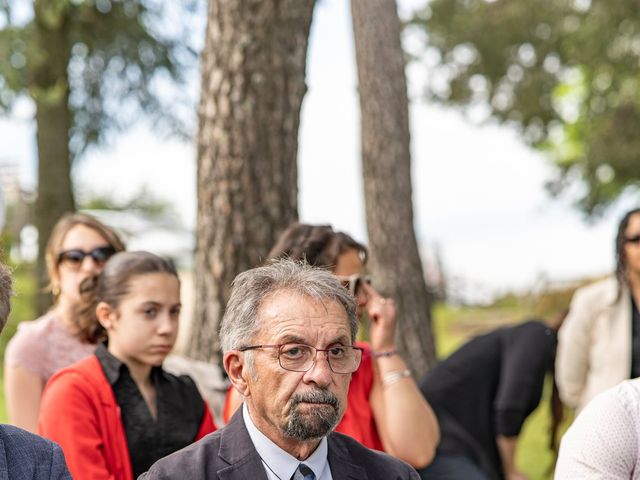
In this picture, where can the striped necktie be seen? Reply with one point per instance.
(303, 473)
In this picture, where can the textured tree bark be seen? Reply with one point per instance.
(253, 83)
(50, 90)
(386, 166)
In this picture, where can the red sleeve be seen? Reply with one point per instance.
(226, 414)
(68, 417)
(208, 425)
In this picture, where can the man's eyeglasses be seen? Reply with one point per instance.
(635, 239)
(353, 283)
(298, 357)
(74, 258)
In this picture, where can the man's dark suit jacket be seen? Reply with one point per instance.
(25, 456)
(229, 454)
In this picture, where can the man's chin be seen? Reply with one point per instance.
(312, 421)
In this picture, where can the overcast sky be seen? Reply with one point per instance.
(478, 191)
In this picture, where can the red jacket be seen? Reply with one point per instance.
(79, 411)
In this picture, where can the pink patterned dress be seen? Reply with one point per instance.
(45, 346)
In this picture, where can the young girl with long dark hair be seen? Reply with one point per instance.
(117, 412)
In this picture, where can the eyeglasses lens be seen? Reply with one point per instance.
(75, 257)
(301, 358)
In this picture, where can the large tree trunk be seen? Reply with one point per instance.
(50, 91)
(386, 165)
(253, 82)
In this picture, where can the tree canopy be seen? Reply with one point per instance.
(90, 67)
(115, 56)
(564, 73)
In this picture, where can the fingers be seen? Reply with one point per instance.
(379, 306)
(369, 291)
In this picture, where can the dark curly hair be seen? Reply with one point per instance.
(318, 245)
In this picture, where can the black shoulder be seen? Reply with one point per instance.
(183, 389)
(378, 465)
(18, 438)
(194, 462)
(534, 330)
(26, 452)
(179, 381)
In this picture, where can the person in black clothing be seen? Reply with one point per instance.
(482, 395)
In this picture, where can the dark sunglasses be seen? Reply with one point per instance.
(75, 257)
(635, 239)
(353, 283)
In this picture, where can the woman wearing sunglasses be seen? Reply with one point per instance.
(599, 342)
(385, 409)
(78, 247)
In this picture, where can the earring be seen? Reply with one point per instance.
(55, 290)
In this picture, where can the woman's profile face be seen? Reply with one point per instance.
(350, 263)
(70, 272)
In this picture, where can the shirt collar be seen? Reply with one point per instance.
(280, 462)
(111, 366)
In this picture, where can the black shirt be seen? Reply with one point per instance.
(488, 387)
(180, 411)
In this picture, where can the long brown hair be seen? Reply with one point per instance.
(111, 285)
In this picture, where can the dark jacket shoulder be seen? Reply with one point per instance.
(28, 456)
(229, 454)
(350, 459)
(226, 453)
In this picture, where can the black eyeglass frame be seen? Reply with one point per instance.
(315, 356)
(99, 255)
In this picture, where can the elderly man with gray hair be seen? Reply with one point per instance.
(287, 336)
(22, 454)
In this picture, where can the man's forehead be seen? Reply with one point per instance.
(291, 307)
(285, 302)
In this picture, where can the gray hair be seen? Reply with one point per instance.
(251, 288)
(5, 294)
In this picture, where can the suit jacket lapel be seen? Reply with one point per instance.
(342, 466)
(237, 450)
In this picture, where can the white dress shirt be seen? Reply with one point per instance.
(280, 465)
(604, 440)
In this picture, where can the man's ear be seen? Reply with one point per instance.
(105, 315)
(237, 369)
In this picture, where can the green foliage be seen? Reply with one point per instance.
(143, 201)
(563, 72)
(114, 60)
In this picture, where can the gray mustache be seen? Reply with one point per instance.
(315, 396)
